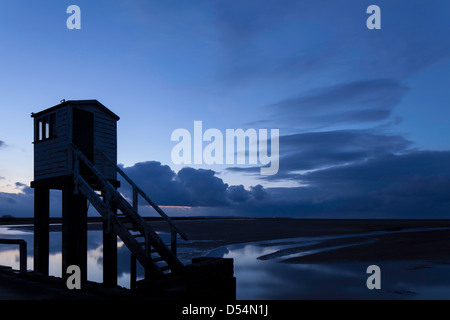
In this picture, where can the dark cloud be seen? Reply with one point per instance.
(238, 194)
(24, 188)
(316, 150)
(356, 174)
(381, 93)
(2, 143)
(354, 102)
(158, 181)
(16, 204)
(412, 185)
(202, 186)
(21, 204)
(389, 172)
(258, 192)
(188, 187)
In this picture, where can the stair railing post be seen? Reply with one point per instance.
(135, 200)
(23, 256)
(76, 171)
(133, 272)
(108, 202)
(173, 241)
(148, 248)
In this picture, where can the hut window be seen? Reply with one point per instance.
(45, 128)
(39, 130)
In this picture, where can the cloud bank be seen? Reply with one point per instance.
(413, 184)
(188, 187)
(356, 102)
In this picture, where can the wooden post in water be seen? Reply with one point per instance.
(23, 256)
(109, 250)
(109, 256)
(74, 231)
(133, 273)
(41, 229)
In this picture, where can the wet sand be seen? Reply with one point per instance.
(424, 245)
(395, 245)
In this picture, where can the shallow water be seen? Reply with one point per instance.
(9, 254)
(261, 273)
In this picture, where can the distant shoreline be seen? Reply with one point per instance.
(58, 220)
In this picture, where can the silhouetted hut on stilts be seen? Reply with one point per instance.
(75, 150)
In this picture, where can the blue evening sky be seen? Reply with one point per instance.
(342, 95)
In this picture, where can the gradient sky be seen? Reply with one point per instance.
(363, 114)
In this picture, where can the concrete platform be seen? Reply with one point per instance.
(205, 279)
(35, 286)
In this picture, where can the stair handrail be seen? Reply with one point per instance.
(167, 255)
(99, 175)
(146, 197)
(102, 208)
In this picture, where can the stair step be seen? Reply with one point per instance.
(121, 214)
(128, 224)
(138, 235)
(165, 268)
(158, 259)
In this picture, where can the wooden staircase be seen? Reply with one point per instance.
(122, 218)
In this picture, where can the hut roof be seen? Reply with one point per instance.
(78, 103)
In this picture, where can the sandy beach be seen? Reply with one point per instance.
(278, 258)
(388, 240)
